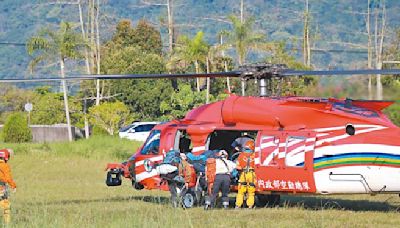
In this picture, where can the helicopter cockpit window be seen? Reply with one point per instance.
(295, 151)
(152, 143)
(183, 142)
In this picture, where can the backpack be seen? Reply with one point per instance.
(193, 176)
(210, 170)
(199, 161)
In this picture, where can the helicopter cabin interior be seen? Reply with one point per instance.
(221, 139)
(217, 140)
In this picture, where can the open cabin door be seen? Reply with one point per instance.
(284, 161)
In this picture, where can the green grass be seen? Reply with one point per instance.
(97, 147)
(62, 185)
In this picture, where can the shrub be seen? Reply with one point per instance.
(16, 129)
(393, 112)
(110, 116)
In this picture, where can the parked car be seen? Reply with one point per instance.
(138, 131)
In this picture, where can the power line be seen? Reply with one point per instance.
(356, 51)
(12, 43)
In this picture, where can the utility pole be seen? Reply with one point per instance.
(306, 37)
(170, 25)
(379, 38)
(65, 94)
(242, 82)
(85, 118)
(369, 63)
(84, 37)
(208, 81)
(241, 11)
(228, 84)
(97, 51)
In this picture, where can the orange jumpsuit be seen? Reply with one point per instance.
(247, 179)
(187, 172)
(5, 178)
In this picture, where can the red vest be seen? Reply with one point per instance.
(245, 161)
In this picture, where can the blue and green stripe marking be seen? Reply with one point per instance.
(379, 159)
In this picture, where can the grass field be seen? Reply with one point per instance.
(62, 185)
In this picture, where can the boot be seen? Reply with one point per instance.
(207, 205)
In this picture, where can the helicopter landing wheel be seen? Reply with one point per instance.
(189, 199)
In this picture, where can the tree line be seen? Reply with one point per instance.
(108, 105)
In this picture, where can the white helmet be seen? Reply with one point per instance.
(223, 153)
(183, 156)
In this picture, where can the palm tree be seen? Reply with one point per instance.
(192, 51)
(243, 38)
(57, 46)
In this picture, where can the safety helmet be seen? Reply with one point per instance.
(249, 145)
(183, 156)
(223, 153)
(5, 154)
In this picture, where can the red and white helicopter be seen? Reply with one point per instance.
(304, 145)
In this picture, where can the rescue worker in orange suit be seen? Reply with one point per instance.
(223, 169)
(247, 177)
(185, 173)
(5, 181)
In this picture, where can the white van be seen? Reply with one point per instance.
(138, 131)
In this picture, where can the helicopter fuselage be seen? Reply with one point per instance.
(303, 145)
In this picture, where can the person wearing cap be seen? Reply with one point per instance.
(223, 169)
(5, 181)
(238, 143)
(185, 173)
(247, 178)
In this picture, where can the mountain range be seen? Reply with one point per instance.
(338, 27)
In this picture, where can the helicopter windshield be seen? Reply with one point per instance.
(152, 143)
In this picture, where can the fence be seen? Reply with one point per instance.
(53, 133)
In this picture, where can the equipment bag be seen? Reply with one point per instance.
(166, 168)
(210, 170)
(193, 176)
(211, 153)
(199, 161)
(199, 167)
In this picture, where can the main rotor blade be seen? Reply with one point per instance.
(125, 76)
(339, 72)
(284, 72)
